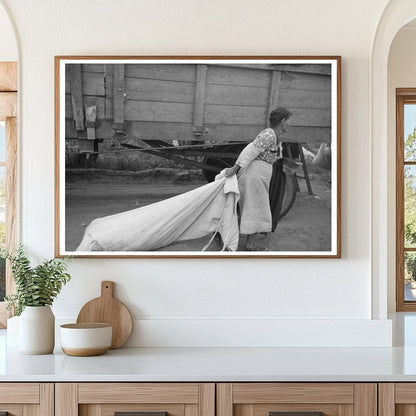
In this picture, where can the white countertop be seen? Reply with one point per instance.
(222, 364)
(215, 364)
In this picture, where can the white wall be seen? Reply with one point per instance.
(401, 74)
(8, 46)
(212, 301)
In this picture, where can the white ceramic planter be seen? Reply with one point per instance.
(12, 334)
(37, 330)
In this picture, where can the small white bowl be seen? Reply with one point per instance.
(83, 340)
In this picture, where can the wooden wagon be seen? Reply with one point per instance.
(182, 110)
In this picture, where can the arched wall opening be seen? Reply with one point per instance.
(401, 74)
(396, 15)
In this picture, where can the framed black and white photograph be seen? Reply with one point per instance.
(198, 156)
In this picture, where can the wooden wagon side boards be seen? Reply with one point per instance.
(208, 102)
(199, 104)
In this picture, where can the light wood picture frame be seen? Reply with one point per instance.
(140, 140)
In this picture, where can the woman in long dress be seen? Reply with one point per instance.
(254, 168)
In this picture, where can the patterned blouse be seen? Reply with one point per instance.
(268, 146)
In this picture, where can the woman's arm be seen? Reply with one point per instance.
(232, 171)
(247, 155)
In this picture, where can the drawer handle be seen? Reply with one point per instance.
(295, 413)
(139, 414)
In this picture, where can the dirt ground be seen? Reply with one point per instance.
(93, 194)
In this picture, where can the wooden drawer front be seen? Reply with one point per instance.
(331, 399)
(19, 393)
(138, 393)
(397, 399)
(105, 399)
(27, 399)
(295, 408)
(405, 393)
(293, 393)
(14, 409)
(111, 409)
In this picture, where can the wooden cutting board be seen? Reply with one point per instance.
(108, 310)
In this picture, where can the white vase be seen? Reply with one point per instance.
(12, 333)
(37, 330)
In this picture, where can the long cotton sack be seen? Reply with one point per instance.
(194, 214)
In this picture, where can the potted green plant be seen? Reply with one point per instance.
(36, 289)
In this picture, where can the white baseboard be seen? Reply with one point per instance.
(189, 332)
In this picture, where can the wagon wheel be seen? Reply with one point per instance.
(221, 164)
